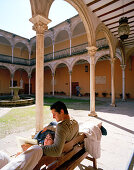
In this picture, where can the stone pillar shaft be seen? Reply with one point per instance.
(12, 53)
(40, 25)
(53, 83)
(92, 51)
(112, 83)
(29, 84)
(53, 51)
(29, 57)
(92, 85)
(123, 82)
(12, 83)
(70, 81)
(70, 46)
(39, 80)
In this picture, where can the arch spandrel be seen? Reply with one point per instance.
(40, 7)
(129, 53)
(7, 67)
(109, 37)
(60, 32)
(50, 66)
(60, 62)
(87, 58)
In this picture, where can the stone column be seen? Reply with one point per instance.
(70, 46)
(53, 83)
(112, 83)
(40, 25)
(70, 82)
(29, 57)
(53, 50)
(29, 79)
(123, 82)
(92, 51)
(12, 53)
(12, 75)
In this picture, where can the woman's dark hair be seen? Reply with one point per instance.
(52, 133)
(58, 106)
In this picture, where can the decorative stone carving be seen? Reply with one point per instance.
(40, 24)
(40, 27)
(92, 50)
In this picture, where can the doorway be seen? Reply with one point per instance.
(74, 84)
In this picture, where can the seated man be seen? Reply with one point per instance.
(66, 129)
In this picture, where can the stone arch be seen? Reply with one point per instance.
(129, 53)
(32, 42)
(32, 68)
(106, 52)
(61, 31)
(49, 65)
(79, 58)
(5, 40)
(22, 42)
(24, 50)
(100, 54)
(119, 54)
(108, 35)
(2, 65)
(60, 62)
(5, 82)
(48, 39)
(2, 35)
(76, 25)
(87, 20)
(21, 68)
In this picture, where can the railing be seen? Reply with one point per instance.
(5, 58)
(21, 61)
(75, 50)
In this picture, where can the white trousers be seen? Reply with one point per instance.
(27, 160)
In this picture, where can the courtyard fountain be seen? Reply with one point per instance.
(16, 100)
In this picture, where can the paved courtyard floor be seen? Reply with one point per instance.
(116, 148)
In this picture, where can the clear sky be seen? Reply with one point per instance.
(15, 15)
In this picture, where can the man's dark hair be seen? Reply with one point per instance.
(58, 106)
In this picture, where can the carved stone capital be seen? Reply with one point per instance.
(123, 67)
(40, 24)
(92, 50)
(40, 27)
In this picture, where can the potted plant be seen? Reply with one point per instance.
(128, 95)
(96, 94)
(104, 94)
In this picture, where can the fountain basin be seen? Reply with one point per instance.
(13, 103)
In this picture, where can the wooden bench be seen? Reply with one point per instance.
(73, 153)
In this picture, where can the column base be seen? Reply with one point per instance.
(93, 114)
(123, 100)
(113, 105)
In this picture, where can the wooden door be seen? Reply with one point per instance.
(74, 84)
